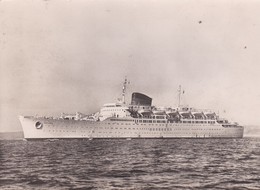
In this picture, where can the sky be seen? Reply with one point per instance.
(67, 56)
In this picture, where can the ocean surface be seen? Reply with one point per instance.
(131, 164)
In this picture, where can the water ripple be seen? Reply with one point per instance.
(135, 164)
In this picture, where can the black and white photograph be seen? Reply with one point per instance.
(129, 94)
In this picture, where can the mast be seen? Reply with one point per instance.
(124, 90)
(179, 96)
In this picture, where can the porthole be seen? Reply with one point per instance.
(38, 125)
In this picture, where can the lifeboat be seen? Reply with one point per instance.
(210, 115)
(145, 112)
(198, 115)
(173, 114)
(186, 115)
(159, 112)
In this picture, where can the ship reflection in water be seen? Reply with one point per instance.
(130, 164)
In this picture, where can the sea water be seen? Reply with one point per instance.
(130, 164)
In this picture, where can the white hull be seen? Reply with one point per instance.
(122, 128)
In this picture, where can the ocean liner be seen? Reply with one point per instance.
(139, 119)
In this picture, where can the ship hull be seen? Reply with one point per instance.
(36, 128)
